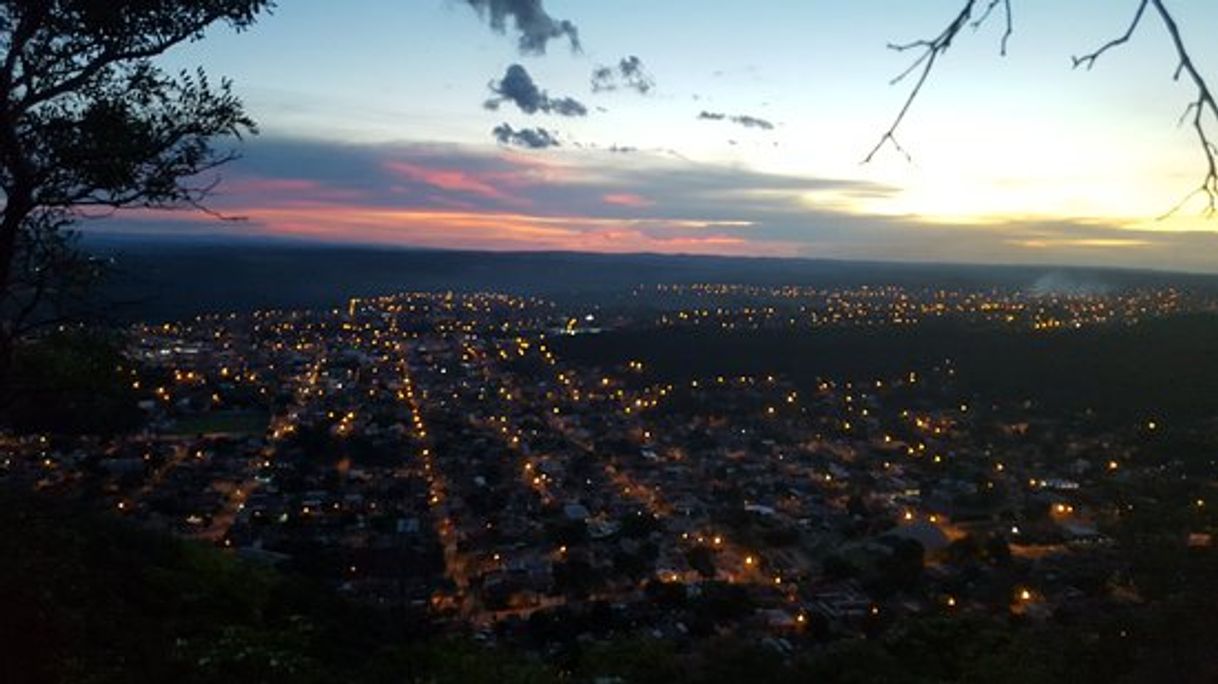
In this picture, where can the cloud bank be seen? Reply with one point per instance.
(593, 200)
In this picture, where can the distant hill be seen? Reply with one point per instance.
(168, 278)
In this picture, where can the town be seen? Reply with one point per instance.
(435, 454)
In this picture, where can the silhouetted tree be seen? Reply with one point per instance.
(90, 124)
(72, 383)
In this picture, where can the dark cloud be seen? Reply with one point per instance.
(532, 138)
(623, 149)
(753, 122)
(517, 86)
(535, 26)
(567, 106)
(741, 119)
(602, 79)
(627, 73)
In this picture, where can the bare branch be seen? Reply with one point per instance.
(1201, 108)
(1201, 112)
(989, 9)
(1089, 59)
(931, 51)
(197, 196)
(1204, 103)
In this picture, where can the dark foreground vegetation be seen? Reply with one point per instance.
(91, 599)
(71, 382)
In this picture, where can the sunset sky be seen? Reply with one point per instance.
(739, 130)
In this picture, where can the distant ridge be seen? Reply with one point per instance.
(170, 277)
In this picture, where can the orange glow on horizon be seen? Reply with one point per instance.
(490, 230)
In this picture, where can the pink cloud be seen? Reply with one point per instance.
(458, 228)
(261, 185)
(627, 199)
(287, 189)
(511, 230)
(452, 181)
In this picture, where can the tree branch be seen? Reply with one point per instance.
(1203, 106)
(932, 49)
(1089, 59)
(1201, 112)
(26, 28)
(989, 9)
(88, 71)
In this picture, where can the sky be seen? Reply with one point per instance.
(709, 127)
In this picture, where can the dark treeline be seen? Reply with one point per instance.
(1164, 367)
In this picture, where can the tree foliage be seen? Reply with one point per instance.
(71, 382)
(90, 124)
